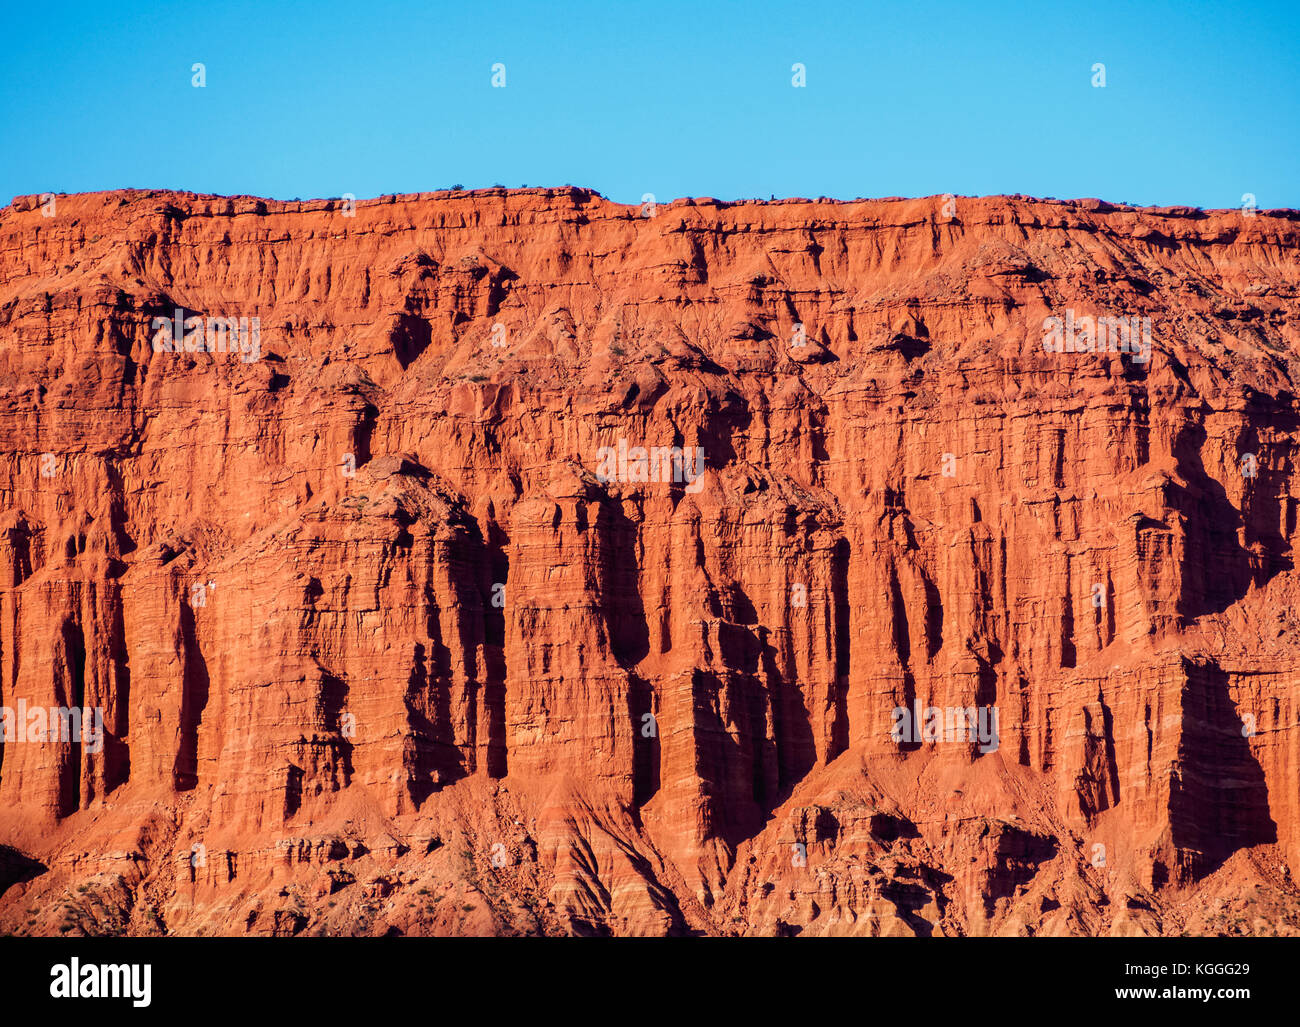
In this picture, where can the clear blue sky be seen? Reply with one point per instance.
(1201, 103)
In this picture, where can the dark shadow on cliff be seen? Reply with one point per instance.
(719, 421)
(729, 766)
(491, 555)
(1017, 856)
(796, 752)
(840, 559)
(1217, 570)
(332, 700)
(1218, 798)
(16, 868)
(645, 741)
(194, 699)
(70, 693)
(431, 759)
(619, 595)
(618, 586)
(745, 648)
(410, 336)
(117, 717)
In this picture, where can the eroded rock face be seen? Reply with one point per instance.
(534, 565)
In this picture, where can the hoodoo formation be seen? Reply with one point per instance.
(381, 640)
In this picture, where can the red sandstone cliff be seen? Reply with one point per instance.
(474, 688)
